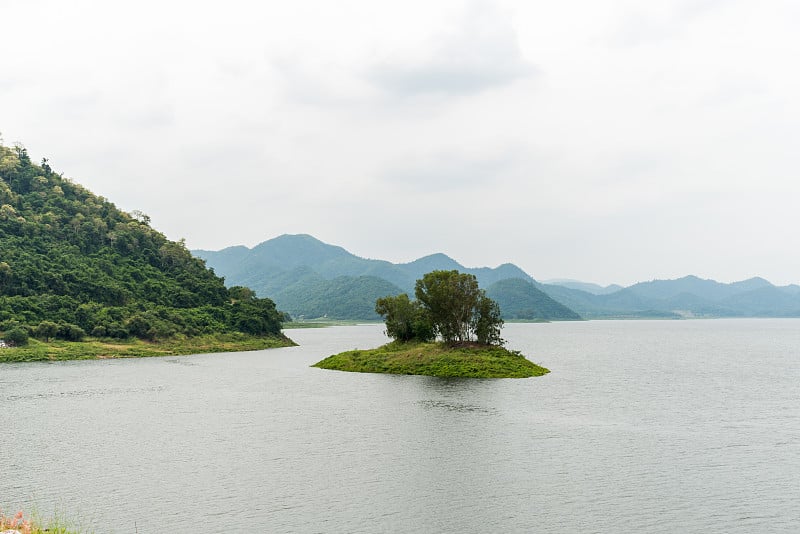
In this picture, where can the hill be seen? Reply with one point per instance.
(72, 264)
(523, 300)
(344, 297)
(308, 277)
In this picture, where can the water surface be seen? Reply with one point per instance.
(642, 426)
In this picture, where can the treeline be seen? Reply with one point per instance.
(344, 297)
(72, 258)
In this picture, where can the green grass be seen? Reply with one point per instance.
(435, 359)
(324, 323)
(92, 349)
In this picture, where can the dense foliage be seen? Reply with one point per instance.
(449, 305)
(458, 309)
(72, 264)
(406, 319)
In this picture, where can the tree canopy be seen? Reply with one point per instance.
(449, 305)
(406, 319)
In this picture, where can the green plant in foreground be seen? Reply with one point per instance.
(18, 523)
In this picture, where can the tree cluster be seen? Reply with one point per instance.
(71, 258)
(448, 305)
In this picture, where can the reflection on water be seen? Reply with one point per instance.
(644, 426)
(455, 406)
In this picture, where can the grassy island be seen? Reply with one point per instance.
(451, 307)
(92, 349)
(436, 359)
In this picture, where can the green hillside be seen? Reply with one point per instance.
(72, 259)
(522, 300)
(344, 297)
(305, 276)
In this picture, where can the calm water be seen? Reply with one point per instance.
(649, 426)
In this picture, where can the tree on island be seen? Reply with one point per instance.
(406, 319)
(448, 304)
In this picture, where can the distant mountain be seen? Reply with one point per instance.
(305, 276)
(689, 296)
(594, 289)
(298, 273)
(792, 289)
(692, 285)
(768, 301)
(522, 300)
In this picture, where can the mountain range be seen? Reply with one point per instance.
(306, 277)
(689, 296)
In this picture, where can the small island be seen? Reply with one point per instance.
(452, 329)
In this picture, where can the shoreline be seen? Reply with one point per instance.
(435, 359)
(101, 349)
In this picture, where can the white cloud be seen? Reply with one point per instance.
(479, 53)
(605, 141)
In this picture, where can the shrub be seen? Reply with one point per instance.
(71, 332)
(17, 336)
(99, 331)
(46, 330)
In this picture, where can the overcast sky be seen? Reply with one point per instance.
(609, 141)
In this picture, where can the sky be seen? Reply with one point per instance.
(610, 141)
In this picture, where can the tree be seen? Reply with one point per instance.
(46, 330)
(141, 216)
(406, 320)
(17, 336)
(449, 304)
(240, 293)
(5, 275)
(487, 322)
(258, 317)
(449, 297)
(71, 332)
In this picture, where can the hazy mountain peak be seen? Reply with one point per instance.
(436, 256)
(588, 287)
(753, 283)
(272, 268)
(291, 250)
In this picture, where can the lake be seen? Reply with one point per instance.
(641, 426)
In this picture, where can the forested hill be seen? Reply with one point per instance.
(307, 277)
(72, 258)
(260, 266)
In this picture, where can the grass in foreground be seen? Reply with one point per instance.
(18, 523)
(435, 359)
(92, 349)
